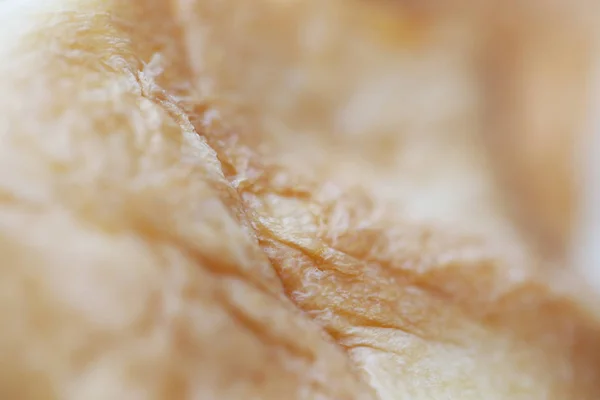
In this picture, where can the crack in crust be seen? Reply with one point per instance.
(203, 249)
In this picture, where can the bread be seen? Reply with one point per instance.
(265, 200)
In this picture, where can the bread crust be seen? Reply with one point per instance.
(198, 202)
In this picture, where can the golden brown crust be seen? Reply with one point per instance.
(193, 208)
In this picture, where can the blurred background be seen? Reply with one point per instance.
(489, 89)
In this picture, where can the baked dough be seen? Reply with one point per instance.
(229, 199)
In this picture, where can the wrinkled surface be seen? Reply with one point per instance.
(263, 200)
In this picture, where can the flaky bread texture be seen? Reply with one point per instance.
(261, 200)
